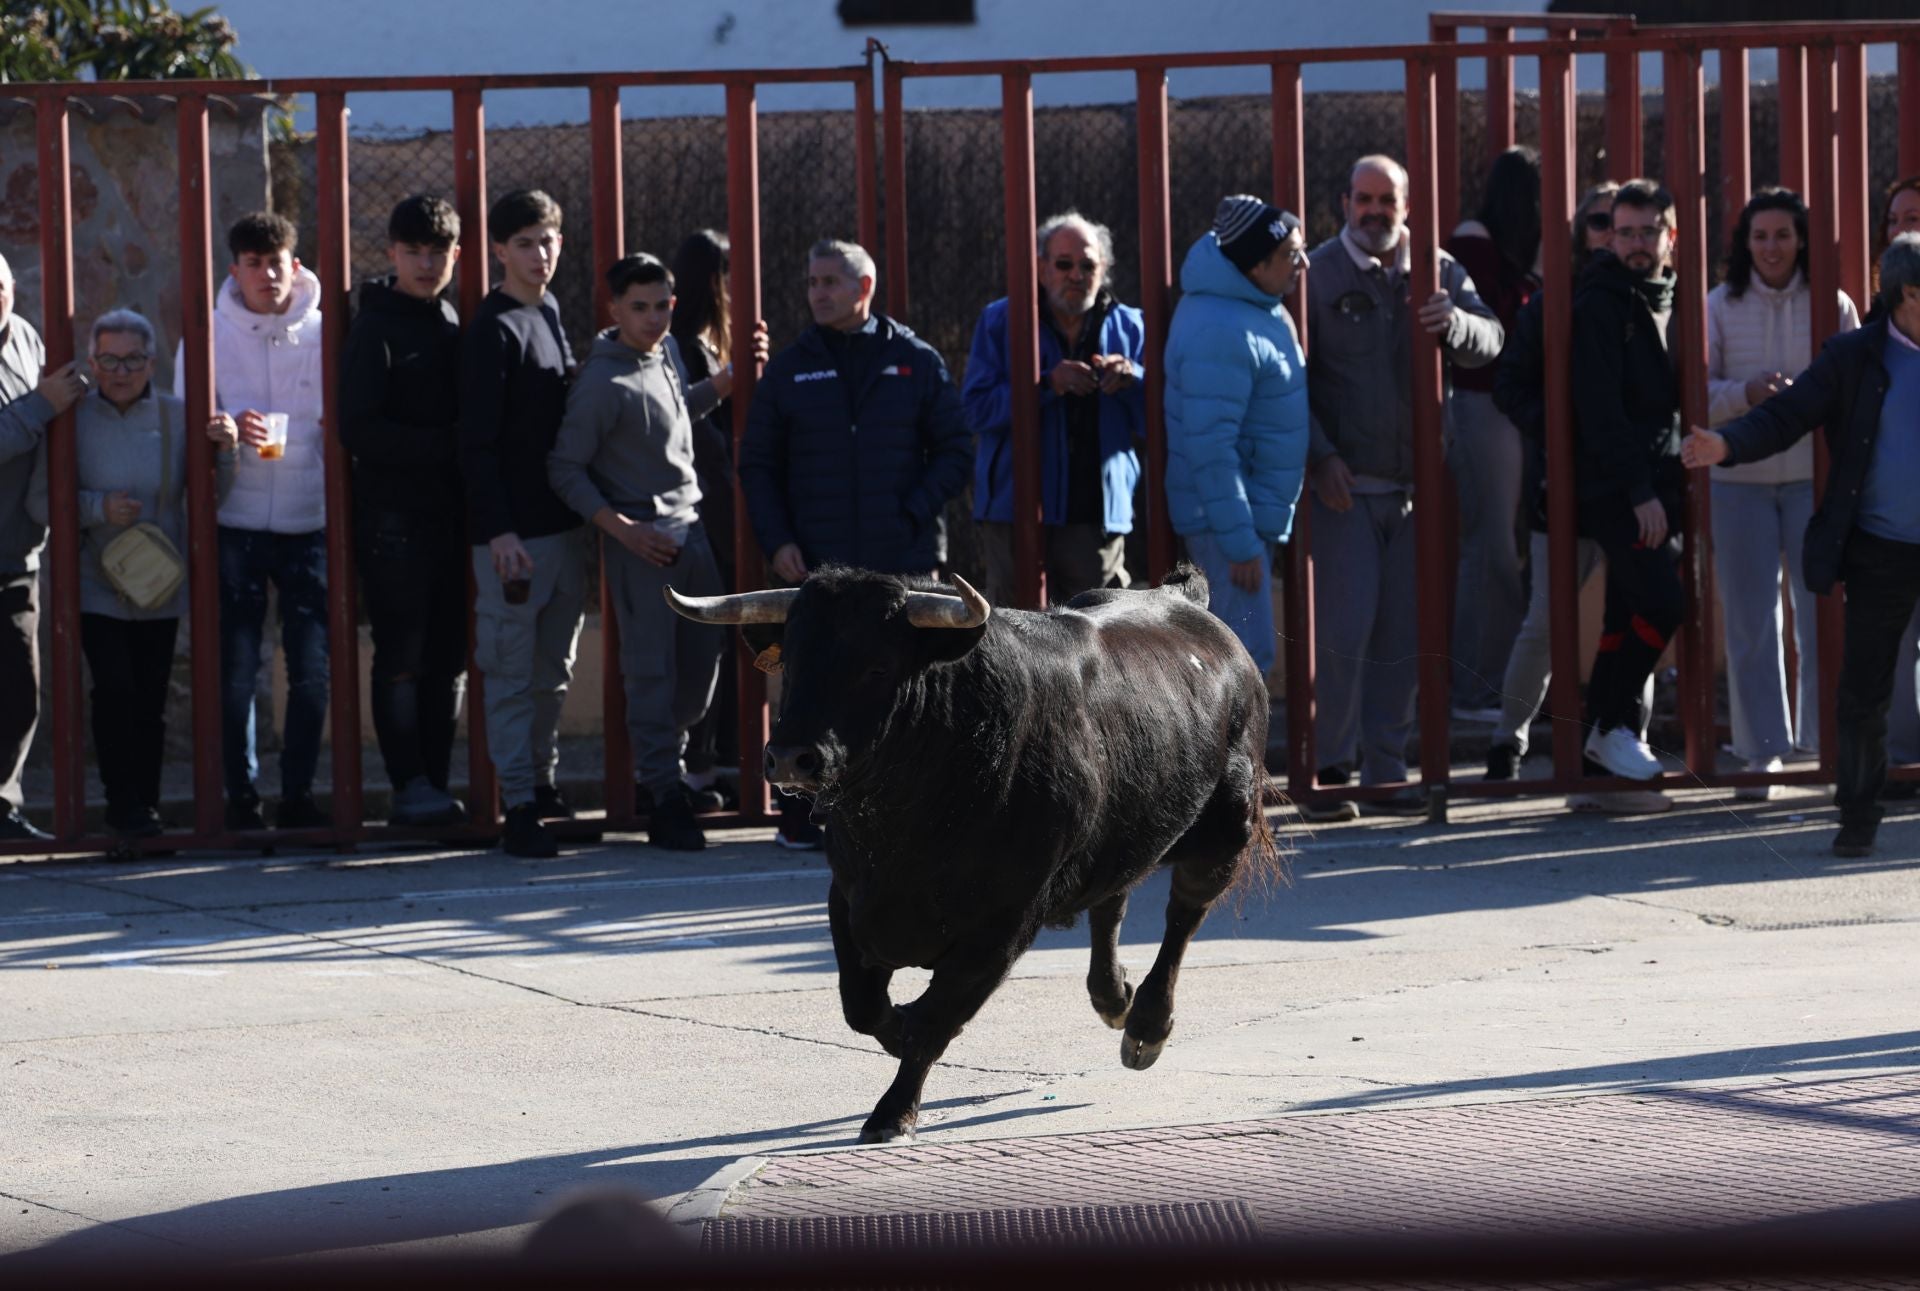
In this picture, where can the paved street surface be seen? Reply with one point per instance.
(426, 1051)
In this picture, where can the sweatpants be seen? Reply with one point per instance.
(525, 654)
(1366, 636)
(669, 664)
(1485, 456)
(1644, 607)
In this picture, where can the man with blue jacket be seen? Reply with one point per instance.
(1091, 414)
(1237, 410)
(855, 439)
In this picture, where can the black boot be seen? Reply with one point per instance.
(524, 835)
(671, 824)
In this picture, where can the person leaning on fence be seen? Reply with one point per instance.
(267, 371)
(855, 441)
(624, 460)
(1500, 249)
(1519, 391)
(28, 402)
(399, 406)
(1900, 213)
(1360, 391)
(130, 446)
(1864, 388)
(1236, 405)
(1092, 413)
(529, 550)
(1629, 484)
(1759, 333)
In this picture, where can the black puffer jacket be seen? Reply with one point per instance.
(400, 404)
(1626, 397)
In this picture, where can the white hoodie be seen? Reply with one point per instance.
(271, 363)
(1762, 330)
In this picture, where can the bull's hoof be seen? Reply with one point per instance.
(1137, 1054)
(1117, 1020)
(888, 1130)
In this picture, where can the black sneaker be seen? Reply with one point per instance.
(300, 812)
(1899, 791)
(15, 828)
(243, 813)
(551, 803)
(524, 835)
(797, 832)
(671, 825)
(1854, 840)
(1410, 801)
(1503, 761)
(133, 822)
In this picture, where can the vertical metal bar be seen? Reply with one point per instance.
(1736, 137)
(743, 289)
(1852, 176)
(1909, 111)
(896, 163)
(1023, 332)
(1500, 133)
(203, 537)
(1428, 392)
(1447, 124)
(1623, 106)
(1686, 165)
(866, 194)
(65, 722)
(1793, 118)
(1290, 193)
(470, 196)
(1824, 206)
(609, 242)
(1557, 104)
(1156, 301)
(343, 628)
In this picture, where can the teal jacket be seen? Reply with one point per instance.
(1237, 422)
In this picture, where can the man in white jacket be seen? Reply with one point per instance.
(267, 374)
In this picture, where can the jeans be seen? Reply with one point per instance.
(296, 565)
(1079, 558)
(1903, 721)
(132, 663)
(1523, 689)
(413, 577)
(1753, 526)
(1366, 638)
(668, 664)
(19, 681)
(1249, 614)
(1491, 598)
(1883, 587)
(525, 655)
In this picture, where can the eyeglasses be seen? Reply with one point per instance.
(122, 362)
(1600, 221)
(1065, 265)
(1297, 257)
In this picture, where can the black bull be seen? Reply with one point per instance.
(990, 772)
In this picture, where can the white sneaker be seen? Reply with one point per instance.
(1761, 792)
(1623, 753)
(1622, 802)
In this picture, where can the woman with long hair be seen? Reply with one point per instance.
(1759, 334)
(1500, 249)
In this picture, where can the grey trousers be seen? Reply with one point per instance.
(1754, 525)
(669, 665)
(1365, 634)
(1491, 600)
(525, 657)
(1530, 665)
(1079, 558)
(19, 680)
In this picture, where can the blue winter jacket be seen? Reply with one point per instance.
(987, 394)
(856, 477)
(1237, 422)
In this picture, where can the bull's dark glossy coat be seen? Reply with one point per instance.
(983, 782)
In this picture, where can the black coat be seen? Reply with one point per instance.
(857, 477)
(1626, 397)
(1843, 391)
(400, 404)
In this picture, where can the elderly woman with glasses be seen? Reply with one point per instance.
(130, 443)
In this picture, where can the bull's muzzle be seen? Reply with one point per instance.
(794, 766)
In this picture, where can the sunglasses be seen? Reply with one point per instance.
(1065, 265)
(1599, 221)
(122, 362)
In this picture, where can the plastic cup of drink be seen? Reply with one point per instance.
(276, 445)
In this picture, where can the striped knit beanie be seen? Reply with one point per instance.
(1248, 229)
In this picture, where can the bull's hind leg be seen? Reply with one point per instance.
(1204, 862)
(1107, 984)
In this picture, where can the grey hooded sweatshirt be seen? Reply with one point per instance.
(627, 439)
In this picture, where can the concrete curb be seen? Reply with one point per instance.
(706, 1200)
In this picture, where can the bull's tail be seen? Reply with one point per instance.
(1263, 865)
(1190, 581)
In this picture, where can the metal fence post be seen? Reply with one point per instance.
(1824, 231)
(866, 195)
(1792, 86)
(1852, 175)
(1500, 132)
(1736, 138)
(1156, 303)
(1023, 334)
(1446, 120)
(1557, 184)
(1624, 158)
(896, 164)
(1290, 193)
(1909, 79)
(743, 289)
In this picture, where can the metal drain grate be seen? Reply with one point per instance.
(1049, 1228)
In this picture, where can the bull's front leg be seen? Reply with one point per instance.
(918, 1033)
(863, 990)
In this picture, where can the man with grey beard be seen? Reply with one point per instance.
(1360, 465)
(1092, 413)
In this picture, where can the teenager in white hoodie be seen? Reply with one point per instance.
(267, 360)
(1759, 335)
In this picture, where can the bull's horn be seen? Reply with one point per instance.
(742, 607)
(933, 610)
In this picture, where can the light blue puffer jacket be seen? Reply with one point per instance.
(1237, 423)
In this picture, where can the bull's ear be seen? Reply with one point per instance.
(764, 639)
(944, 645)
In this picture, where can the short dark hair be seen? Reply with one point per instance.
(519, 210)
(1646, 194)
(424, 221)
(261, 233)
(1740, 255)
(637, 270)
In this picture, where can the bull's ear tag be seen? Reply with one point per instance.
(768, 660)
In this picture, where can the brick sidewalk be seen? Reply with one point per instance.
(1670, 1160)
